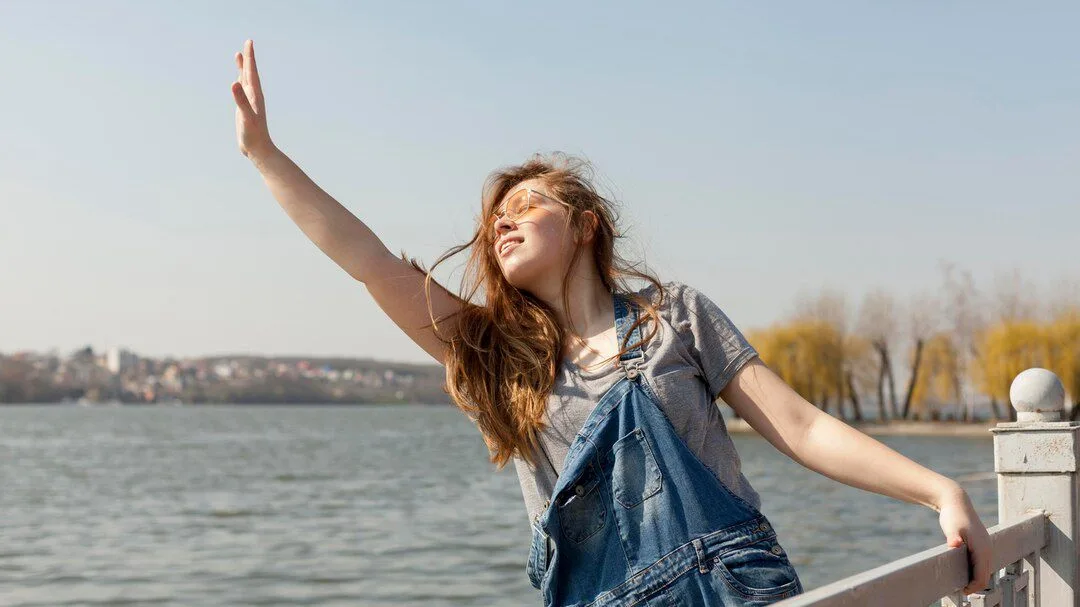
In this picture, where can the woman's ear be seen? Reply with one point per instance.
(589, 223)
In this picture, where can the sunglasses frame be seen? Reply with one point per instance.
(528, 206)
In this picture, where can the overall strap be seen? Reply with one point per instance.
(626, 314)
(630, 362)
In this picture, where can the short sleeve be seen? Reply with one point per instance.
(707, 332)
(527, 479)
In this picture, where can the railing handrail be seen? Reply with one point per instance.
(925, 577)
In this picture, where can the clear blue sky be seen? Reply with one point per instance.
(759, 150)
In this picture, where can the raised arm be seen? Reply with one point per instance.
(397, 287)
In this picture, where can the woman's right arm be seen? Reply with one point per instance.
(395, 284)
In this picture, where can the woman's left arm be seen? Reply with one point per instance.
(828, 446)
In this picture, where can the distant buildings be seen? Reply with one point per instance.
(121, 375)
(118, 360)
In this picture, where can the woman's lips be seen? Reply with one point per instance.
(510, 245)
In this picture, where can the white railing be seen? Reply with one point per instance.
(1036, 556)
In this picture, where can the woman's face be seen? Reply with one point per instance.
(536, 247)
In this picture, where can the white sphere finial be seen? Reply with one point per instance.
(1038, 396)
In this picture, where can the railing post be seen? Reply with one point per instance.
(1036, 461)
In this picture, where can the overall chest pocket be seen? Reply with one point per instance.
(581, 507)
(635, 477)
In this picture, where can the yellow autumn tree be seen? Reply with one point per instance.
(1005, 349)
(808, 355)
(779, 347)
(938, 380)
(1008, 348)
(1063, 345)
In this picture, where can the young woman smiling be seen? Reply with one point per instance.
(602, 394)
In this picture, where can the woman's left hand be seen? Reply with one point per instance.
(962, 526)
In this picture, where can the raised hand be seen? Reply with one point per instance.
(251, 131)
(399, 288)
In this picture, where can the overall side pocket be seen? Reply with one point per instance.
(538, 556)
(759, 569)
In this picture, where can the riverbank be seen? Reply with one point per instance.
(906, 428)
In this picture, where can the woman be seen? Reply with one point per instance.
(602, 394)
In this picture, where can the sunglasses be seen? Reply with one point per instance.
(518, 204)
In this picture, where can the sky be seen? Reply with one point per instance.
(757, 151)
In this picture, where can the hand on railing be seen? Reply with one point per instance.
(962, 526)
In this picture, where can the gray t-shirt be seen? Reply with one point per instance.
(695, 353)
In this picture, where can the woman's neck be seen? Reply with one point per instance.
(589, 311)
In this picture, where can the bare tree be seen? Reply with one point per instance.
(861, 371)
(830, 307)
(877, 324)
(1014, 297)
(1064, 297)
(965, 319)
(853, 394)
(924, 313)
(1064, 302)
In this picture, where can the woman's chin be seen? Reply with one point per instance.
(519, 277)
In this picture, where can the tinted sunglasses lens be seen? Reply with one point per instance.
(513, 208)
(516, 206)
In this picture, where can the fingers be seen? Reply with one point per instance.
(979, 557)
(251, 71)
(982, 568)
(953, 541)
(248, 79)
(242, 101)
(238, 87)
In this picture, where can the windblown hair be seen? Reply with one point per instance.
(503, 356)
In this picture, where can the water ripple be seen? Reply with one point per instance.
(349, 506)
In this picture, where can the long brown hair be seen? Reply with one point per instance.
(503, 356)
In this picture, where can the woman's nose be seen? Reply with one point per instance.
(503, 224)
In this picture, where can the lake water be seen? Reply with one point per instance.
(374, 505)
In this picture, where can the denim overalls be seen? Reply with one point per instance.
(636, 519)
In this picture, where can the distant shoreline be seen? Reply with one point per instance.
(897, 428)
(734, 425)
